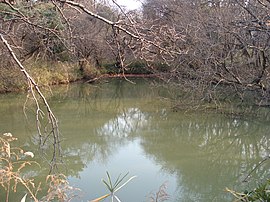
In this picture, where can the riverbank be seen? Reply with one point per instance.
(49, 73)
(44, 73)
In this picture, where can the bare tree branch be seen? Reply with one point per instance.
(33, 87)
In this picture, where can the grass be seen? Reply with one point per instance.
(13, 162)
(114, 187)
(44, 73)
(11, 80)
(260, 193)
(53, 73)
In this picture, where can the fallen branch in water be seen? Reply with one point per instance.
(104, 76)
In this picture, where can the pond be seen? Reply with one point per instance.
(120, 127)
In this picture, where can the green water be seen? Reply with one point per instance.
(120, 127)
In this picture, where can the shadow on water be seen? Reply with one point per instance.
(200, 153)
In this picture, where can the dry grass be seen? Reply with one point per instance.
(161, 195)
(52, 72)
(14, 160)
(44, 73)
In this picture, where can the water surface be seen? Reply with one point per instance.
(121, 127)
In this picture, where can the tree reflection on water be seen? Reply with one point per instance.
(208, 151)
(205, 151)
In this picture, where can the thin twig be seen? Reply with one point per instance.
(256, 167)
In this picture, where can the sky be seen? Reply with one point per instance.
(130, 4)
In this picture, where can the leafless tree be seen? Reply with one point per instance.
(47, 29)
(225, 43)
(200, 44)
